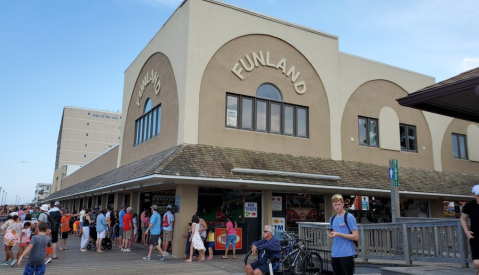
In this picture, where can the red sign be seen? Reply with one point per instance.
(220, 238)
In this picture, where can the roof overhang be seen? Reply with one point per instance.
(158, 181)
(459, 99)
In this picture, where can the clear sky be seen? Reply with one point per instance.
(60, 53)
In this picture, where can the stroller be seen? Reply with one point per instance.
(106, 243)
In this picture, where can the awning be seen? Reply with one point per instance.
(455, 97)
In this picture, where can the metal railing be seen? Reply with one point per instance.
(410, 240)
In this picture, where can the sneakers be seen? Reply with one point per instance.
(5, 263)
(147, 258)
(13, 263)
(48, 260)
(126, 250)
(83, 250)
(164, 256)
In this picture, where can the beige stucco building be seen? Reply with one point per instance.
(243, 109)
(84, 135)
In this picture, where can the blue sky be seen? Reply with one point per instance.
(73, 53)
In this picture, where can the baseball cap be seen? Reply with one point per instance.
(57, 203)
(123, 205)
(154, 207)
(475, 190)
(13, 214)
(169, 206)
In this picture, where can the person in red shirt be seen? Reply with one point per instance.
(127, 229)
(65, 228)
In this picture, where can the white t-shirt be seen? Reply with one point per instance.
(82, 214)
(107, 214)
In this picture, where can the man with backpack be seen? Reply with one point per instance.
(55, 218)
(343, 231)
(168, 222)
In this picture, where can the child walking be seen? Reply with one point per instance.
(211, 241)
(116, 233)
(188, 242)
(24, 238)
(38, 244)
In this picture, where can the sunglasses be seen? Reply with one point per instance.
(266, 232)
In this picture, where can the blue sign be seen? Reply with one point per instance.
(391, 173)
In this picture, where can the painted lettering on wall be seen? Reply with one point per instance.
(256, 59)
(150, 77)
(104, 116)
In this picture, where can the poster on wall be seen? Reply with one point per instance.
(220, 242)
(365, 203)
(250, 210)
(231, 118)
(277, 203)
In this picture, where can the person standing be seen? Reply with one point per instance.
(154, 229)
(82, 215)
(168, 223)
(146, 222)
(343, 251)
(101, 228)
(196, 241)
(471, 211)
(56, 215)
(231, 227)
(120, 232)
(127, 229)
(86, 230)
(65, 229)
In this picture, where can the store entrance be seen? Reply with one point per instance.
(216, 205)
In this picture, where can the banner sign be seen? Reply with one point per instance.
(220, 239)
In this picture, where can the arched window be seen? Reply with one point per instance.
(269, 91)
(147, 106)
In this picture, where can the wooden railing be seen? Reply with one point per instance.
(418, 240)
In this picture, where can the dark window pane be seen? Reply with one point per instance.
(302, 117)
(247, 114)
(148, 128)
(140, 140)
(158, 122)
(268, 91)
(373, 133)
(402, 137)
(232, 112)
(455, 146)
(288, 120)
(261, 115)
(275, 119)
(362, 129)
(137, 132)
(153, 124)
(147, 106)
(462, 147)
(412, 138)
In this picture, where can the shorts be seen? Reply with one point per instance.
(54, 236)
(231, 239)
(343, 265)
(49, 250)
(211, 244)
(120, 232)
(115, 236)
(34, 269)
(64, 235)
(474, 248)
(127, 234)
(101, 235)
(135, 231)
(155, 240)
(167, 235)
(264, 268)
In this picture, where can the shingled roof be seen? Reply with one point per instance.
(216, 162)
(473, 73)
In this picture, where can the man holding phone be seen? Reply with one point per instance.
(342, 253)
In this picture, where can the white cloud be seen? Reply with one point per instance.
(469, 63)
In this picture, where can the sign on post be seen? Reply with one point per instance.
(396, 174)
(394, 184)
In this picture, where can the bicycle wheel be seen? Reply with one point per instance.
(312, 264)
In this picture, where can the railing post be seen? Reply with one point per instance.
(362, 244)
(436, 242)
(406, 243)
(300, 231)
(462, 247)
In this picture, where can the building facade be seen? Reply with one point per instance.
(42, 191)
(263, 120)
(84, 135)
